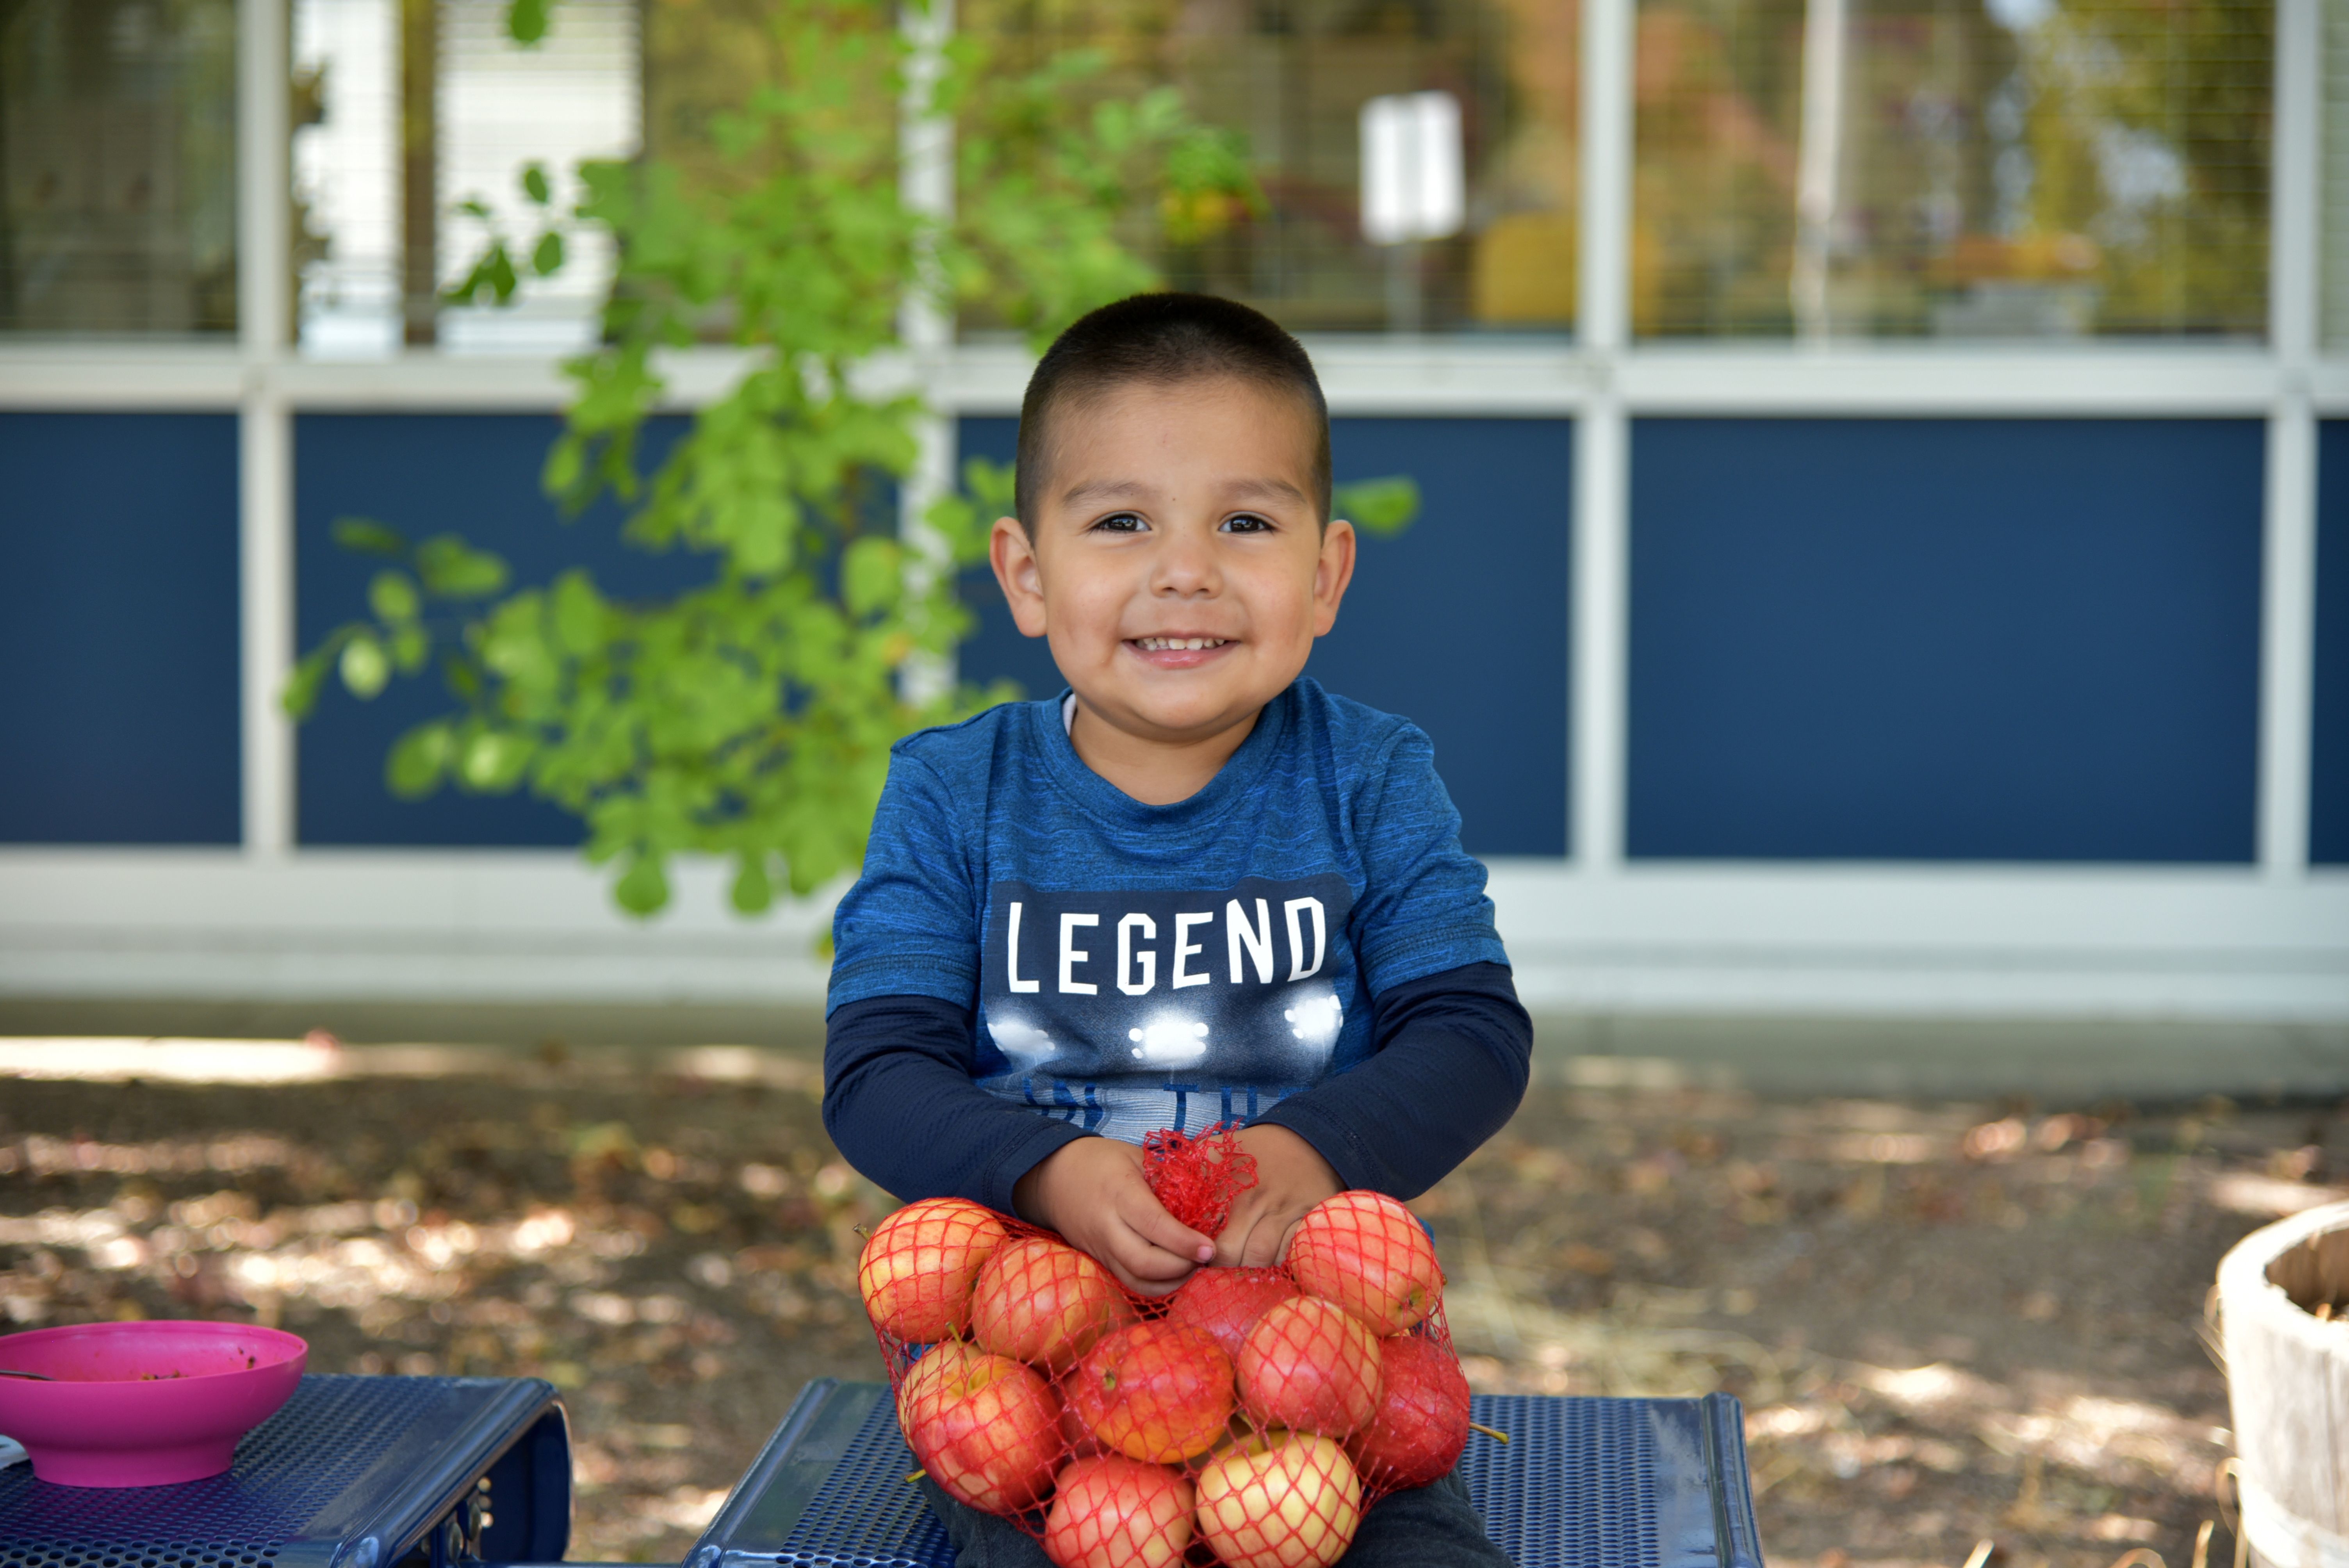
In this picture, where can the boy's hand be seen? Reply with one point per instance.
(1093, 1192)
(1291, 1178)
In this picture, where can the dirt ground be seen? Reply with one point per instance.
(1950, 1324)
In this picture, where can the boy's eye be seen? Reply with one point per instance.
(1246, 523)
(1121, 522)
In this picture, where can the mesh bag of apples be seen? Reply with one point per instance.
(1248, 1419)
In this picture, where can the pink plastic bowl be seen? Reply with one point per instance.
(143, 1404)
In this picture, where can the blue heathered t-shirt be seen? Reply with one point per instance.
(1133, 966)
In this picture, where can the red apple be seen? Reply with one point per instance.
(1117, 1513)
(986, 1428)
(1422, 1419)
(1077, 1440)
(1045, 1303)
(1371, 1256)
(1311, 1365)
(1227, 1302)
(1292, 1502)
(917, 1270)
(1155, 1391)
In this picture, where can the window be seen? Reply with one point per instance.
(415, 111)
(2007, 168)
(118, 167)
(1295, 78)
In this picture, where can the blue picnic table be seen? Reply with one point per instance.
(1581, 1483)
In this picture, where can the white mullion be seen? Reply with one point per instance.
(264, 483)
(2294, 182)
(926, 184)
(1601, 590)
(2288, 596)
(1601, 634)
(2288, 638)
(1602, 312)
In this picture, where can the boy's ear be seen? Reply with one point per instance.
(1332, 573)
(1013, 556)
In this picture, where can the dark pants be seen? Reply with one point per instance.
(1432, 1526)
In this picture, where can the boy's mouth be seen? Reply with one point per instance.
(1177, 644)
(1180, 652)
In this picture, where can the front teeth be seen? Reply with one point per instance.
(1165, 645)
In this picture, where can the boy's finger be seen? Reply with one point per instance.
(1148, 1269)
(1264, 1243)
(1162, 1229)
(1231, 1247)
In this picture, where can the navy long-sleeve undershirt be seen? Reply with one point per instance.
(1450, 1064)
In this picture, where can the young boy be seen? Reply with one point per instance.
(1195, 887)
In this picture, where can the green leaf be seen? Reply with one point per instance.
(393, 598)
(463, 675)
(419, 759)
(535, 184)
(474, 207)
(546, 256)
(492, 274)
(367, 537)
(451, 569)
(643, 888)
(491, 760)
(526, 20)
(872, 574)
(301, 694)
(411, 644)
(578, 614)
(993, 485)
(365, 666)
(1380, 506)
(752, 893)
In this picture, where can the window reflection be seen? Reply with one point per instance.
(2333, 162)
(117, 171)
(2003, 169)
(414, 120)
(1294, 77)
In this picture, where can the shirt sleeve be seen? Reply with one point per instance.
(1424, 909)
(910, 925)
(901, 1107)
(1454, 1053)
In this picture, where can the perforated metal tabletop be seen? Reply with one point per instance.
(1582, 1483)
(353, 1473)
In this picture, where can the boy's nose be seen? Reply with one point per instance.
(1185, 565)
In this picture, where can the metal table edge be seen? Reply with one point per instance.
(378, 1537)
(712, 1547)
(1736, 1531)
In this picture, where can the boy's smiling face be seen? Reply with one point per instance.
(1178, 568)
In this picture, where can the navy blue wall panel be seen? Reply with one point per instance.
(1459, 622)
(2025, 640)
(996, 650)
(2328, 802)
(473, 474)
(119, 641)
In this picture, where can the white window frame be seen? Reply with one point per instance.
(1589, 931)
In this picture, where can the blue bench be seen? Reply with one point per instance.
(351, 1472)
(1581, 1483)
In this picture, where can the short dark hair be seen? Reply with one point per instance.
(1162, 339)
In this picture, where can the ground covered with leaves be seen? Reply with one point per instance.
(1950, 1324)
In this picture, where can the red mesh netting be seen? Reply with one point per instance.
(1196, 1179)
(1248, 1419)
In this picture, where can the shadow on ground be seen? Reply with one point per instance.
(1950, 1322)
